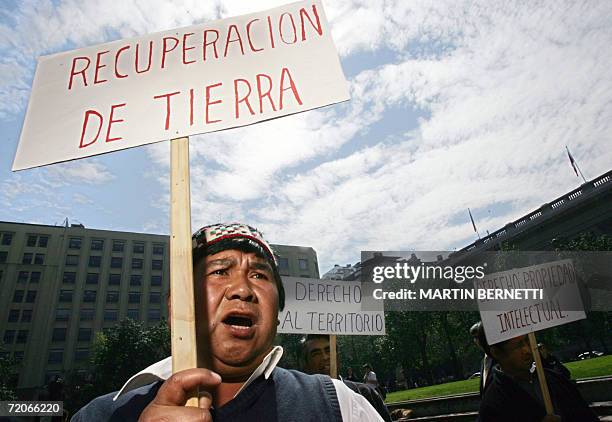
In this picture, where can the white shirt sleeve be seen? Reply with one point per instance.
(354, 407)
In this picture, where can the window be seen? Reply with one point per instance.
(56, 356)
(135, 280)
(39, 259)
(114, 279)
(138, 247)
(18, 356)
(133, 314)
(157, 264)
(18, 296)
(27, 258)
(84, 334)
(303, 264)
(30, 296)
(136, 263)
(89, 296)
(283, 264)
(92, 278)
(23, 276)
(134, 297)
(9, 336)
(3, 255)
(34, 276)
(87, 314)
(116, 262)
(22, 336)
(74, 243)
(69, 277)
(43, 241)
(154, 315)
(94, 261)
(112, 297)
(118, 245)
(110, 315)
(156, 280)
(154, 297)
(59, 334)
(65, 295)
(62, 314)
(26, 315)
(81, 355)
(158, 249)
(97, 244)
(13, 315)
(32, 240)
(7, 238)
(72, 260)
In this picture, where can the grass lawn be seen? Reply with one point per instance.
(580, 369)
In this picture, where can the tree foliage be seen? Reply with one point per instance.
(118, 353)
(7, 385)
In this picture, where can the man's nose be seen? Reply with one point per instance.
(240, 288)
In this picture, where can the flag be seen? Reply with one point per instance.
(472, 220)
(572, 161)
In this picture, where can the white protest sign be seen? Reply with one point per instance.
(314, 306)
(198, 79)
(560, 301)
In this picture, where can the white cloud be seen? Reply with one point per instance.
(500, 107)
(78, 172)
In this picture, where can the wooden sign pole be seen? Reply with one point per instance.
(182, 315)
(541, 376)
(333, 357)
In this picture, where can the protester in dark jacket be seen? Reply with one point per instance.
(514, 393)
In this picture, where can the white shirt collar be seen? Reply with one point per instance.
(162, 370)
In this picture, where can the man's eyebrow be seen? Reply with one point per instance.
(261, 266)
(222, 261)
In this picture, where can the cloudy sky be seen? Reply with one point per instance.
(455, 104)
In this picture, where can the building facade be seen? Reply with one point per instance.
(61, 285)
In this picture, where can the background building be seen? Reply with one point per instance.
(60, 285)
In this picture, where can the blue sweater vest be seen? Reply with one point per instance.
(286, 396)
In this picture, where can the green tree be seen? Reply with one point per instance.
(118, 353)
(7, 378)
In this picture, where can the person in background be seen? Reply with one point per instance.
(349, 374)
(514, 393)
(370, 376)
(315, 359)
(487, 363)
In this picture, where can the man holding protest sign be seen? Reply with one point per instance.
(514, 392)
(243, 293)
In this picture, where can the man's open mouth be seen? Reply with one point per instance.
(238, 321)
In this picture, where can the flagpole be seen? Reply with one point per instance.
(473, 224)
(574, 164)
(580, 171)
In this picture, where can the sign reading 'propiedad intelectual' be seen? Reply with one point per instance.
(558, 303)
(192, 80)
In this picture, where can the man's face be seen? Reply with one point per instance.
(317, 356)
(515, 355)
(242, 308)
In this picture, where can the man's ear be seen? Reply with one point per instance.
(495, 352)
